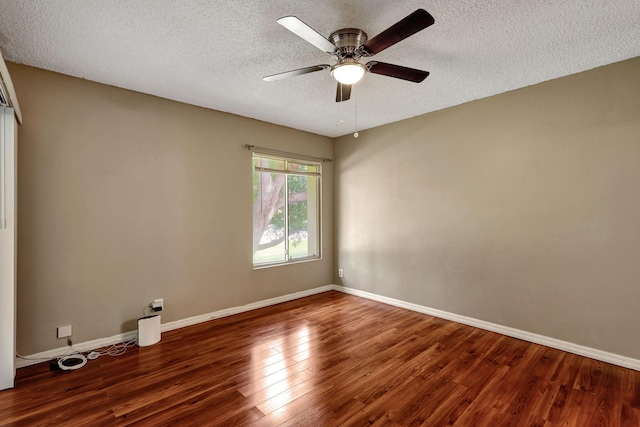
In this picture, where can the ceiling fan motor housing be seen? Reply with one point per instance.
(348, 40)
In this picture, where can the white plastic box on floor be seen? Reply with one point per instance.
(149, 330)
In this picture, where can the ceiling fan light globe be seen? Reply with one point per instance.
(349, 73)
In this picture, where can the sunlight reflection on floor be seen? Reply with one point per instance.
(276, 367)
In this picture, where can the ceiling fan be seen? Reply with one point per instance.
(348, 45)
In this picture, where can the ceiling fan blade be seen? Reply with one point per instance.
(408, 26)
(343, 92)
(397, 71)
(304, 31)
(293, 73)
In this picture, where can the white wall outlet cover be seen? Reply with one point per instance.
(64, 331)
(158, 304)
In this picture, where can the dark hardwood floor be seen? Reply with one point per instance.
(329, 360)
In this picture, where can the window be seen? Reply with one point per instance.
(286, 210)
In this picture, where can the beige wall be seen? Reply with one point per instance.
(522, 209)
(125, 197)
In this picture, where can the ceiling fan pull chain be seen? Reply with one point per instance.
(355, 103)
(341, 107)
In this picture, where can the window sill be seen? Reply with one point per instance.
(290, 262)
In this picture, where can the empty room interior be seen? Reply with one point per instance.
(206, 222)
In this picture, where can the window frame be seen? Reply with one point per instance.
(304, 160)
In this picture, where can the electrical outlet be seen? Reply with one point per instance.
(157, 304)
(340, 272)
(64, 331)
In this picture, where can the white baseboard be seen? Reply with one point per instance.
(82, 347)
(33, 359)
(603, 356)
(580, 350)
(241, 309)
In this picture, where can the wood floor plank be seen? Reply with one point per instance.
(477, 405)
(330, 359)
(629, 416)
(311, 386)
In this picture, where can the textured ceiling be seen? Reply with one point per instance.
(215, 53)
